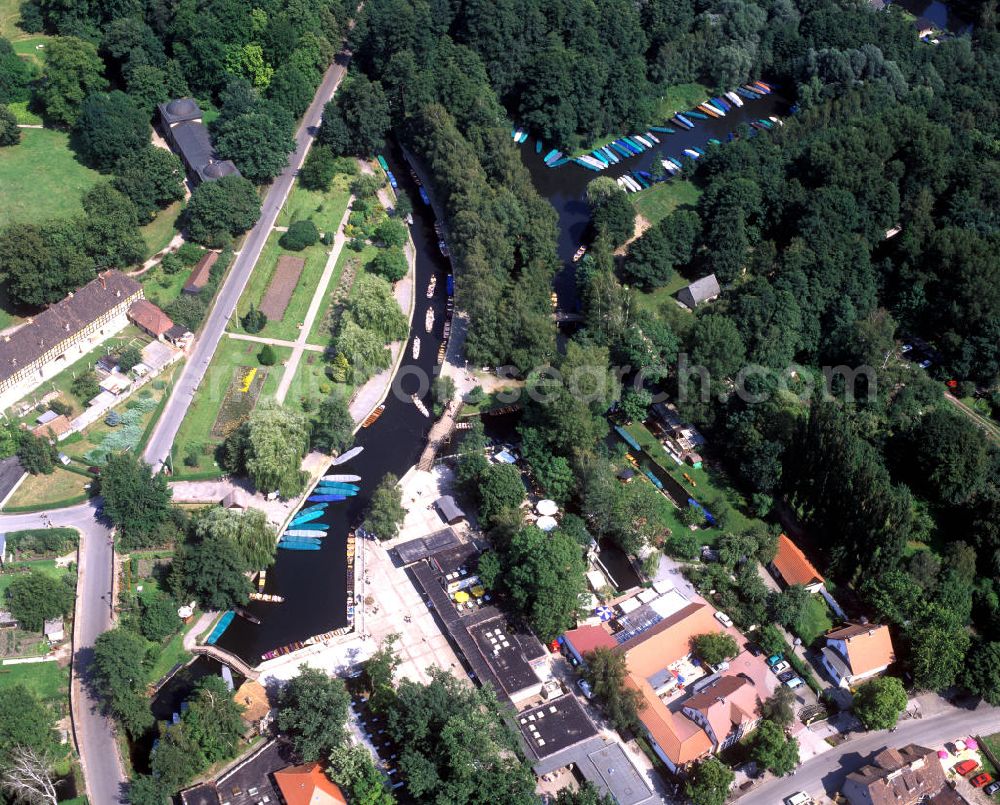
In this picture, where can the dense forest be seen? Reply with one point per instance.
(897, 490)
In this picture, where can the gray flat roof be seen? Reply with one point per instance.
(604, 764)
(194, 143)
(555, 725)
(420, 548)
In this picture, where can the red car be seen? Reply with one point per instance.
(966, 766)
(980, 780)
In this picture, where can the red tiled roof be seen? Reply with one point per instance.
(869, 646)
(793, 565)
(308, 785)
(149, 317)
(587, 638)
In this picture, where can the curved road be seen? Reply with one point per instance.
(95, 736)
(826, 772)
(162, 439)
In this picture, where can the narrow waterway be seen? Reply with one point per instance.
(313, 583)
(565, 187)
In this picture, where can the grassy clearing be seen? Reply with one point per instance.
(814, 621)
(24, 115)
(39, 490)
(47, 567)
(288, 328)
(652, 301)
(170, 654)
(196, 428)
(159, 232)
(680, 97)
(162, 288)
(663, 198)
(46, 680)
(324, 209)
(705, 486)
(41, 178)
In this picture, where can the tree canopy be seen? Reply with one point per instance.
(312, 710)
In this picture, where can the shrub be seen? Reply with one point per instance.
(367, 185)
(391, 233)
(128, 358)
(171, 264)
(390, 264)
(64, 409)
(267, 356)
(255, 320)
(300, 235)
(190, 253)
(319, 170)
(84, 386)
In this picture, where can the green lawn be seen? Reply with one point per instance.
(814, 620)
(46, 680)
(708, 484)
(652, 301)
(681, 97)
(170, 654)
(159, 232)
(663, 198)
(288, 328)
(197, 425)
(320, 333)
(325, 209)
(24, 114)
(162, 288)
(42, 490)
(41, 178)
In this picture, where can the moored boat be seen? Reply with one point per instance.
(349, 479)
(382, 163)
(305, 518)
(697, 115)
(663, 129)
(429, 320)
(423, 196)
(432, 285)
(579, 253)
(736, 99)
(420, 405)
(268, 598)
(248, 616)
(325, 498)
(302, 532)
(720, 101)
(295, 546)
(343, 458)
(340, 485)
(653, 137)
(691, 153)
(416, 347)
(709, 110)
(373, 416)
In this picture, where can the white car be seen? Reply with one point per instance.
(781, 667)
(724, 619)
(798, 798)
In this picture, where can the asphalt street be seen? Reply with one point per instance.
(162, 438)
(826, 772)
(95, 736)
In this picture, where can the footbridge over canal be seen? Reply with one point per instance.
(227, 658)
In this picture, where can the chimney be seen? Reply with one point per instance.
(66, 325)
(118, 294)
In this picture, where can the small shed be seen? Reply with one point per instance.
(149, 318)
(236, 499)
(7, 620)
(54, 427)
(700, 292)
(200, 274)
(179, 335)
(449, 509)
(252, 697)
(54, 630)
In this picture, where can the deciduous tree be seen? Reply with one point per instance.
(109, 127)
(385, 511)
(606, 672)
(709, 782)
(312, 710)
(879, 702)
(774, 750)
(73, 70)
(221, 210)
(135, 499)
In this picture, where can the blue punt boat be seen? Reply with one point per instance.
(638, 177)
(550, 155)
(325, 498)
(424, 197)
(538, 147)
(684, 121)
(339, 485)
(600, 157)
(305, 518)
(628, 438)
(220, 627)
(663, 129)
(611, 155)
(309, 509)
(382, 163)
(634, 144)
(295, 546)
(656, 481)
(559, 162)
(342, 493)
(392, 180)
(723, 103)
(622, 151)
(698, 115)
(309, 526)
(747, 93)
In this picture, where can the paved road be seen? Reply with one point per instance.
(162, 439)
(95, 735)
(826, 772)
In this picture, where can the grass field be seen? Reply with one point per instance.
(162, 288)
(663, 198)
(325, 209)
(24, 114)
(41, 178)
(161, 229)
(38, 490)
(46, 680)
(681, 97)
(320, 333)
(197, 425)
(170, 654)
(288, 328)
(652, 301)
(814, 620)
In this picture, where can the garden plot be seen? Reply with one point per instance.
(241, 397)
(279, 292)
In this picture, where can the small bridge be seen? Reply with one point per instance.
(227, 658)
(561, 316)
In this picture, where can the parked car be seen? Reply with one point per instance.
(784, 677)
(754, 649)
(906, 348)
(780, 668)
(794, 682)
(774, 659)
(798, 798)
(991, 789)
(966, 766)
(924, 363)
(981, 779)
(585, 688)
(724, 619)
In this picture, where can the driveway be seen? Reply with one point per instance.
(825, 773)
(95, 735)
